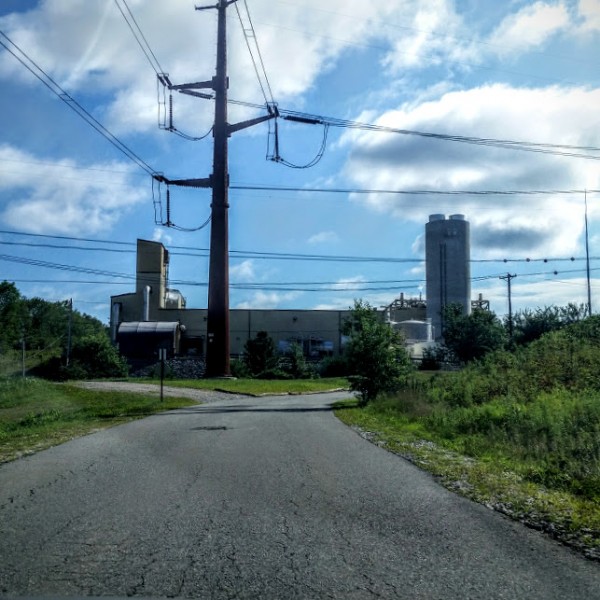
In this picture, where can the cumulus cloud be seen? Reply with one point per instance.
(551, 290)
(530, 27)
(323, 237)
(546, 224)
(88, 46)
(268, 300)
(589, 11)
(64, 196)
(244, 271)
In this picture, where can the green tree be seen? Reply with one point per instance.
(530, 325)
(471, 337)
(296, 365)
(375, 353)
(94, 356)
(12, 315)
(259, 354)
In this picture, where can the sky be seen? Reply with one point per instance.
(72, 204)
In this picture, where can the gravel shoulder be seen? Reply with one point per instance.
(203, 396)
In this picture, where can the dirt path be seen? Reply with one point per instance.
(203, 396)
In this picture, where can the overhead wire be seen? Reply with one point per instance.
(56, 89)
(567, 150)
(137, 34)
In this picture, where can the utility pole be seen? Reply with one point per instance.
(217, 328)
(218, 343)
(69, 329)
(508, 277)
(587, 259)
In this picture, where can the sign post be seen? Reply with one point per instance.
(162, 355)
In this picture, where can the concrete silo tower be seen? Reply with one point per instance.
(448, 267)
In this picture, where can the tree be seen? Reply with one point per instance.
(530, 325)
(12, 315)
(471, 337)
(259, 354)
(94, 356)
(377, 359)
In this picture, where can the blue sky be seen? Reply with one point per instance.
(516, 70)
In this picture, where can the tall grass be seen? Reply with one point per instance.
(36, 414)
(553, 440)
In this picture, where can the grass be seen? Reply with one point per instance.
(257, 387)
(36, 414)
(487, 464)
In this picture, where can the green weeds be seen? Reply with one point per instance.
(36, 414)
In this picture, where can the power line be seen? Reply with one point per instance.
(567, 150)
(56, 89)
(137, 34)
(253, 254)
(250, 33)
(417, 192)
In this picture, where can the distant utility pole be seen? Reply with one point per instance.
(508, 277)
(587, 259)
(69, 329)
(218, 342)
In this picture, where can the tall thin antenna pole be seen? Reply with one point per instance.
(587, 259)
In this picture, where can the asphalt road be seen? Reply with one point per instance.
(260, 498)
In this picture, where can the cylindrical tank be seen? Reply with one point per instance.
(417, 331)
(448, 267)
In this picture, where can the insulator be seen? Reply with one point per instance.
(168, 208)
(171, 111)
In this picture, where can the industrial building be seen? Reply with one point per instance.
(155, 317)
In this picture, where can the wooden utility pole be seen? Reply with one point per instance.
(587, 260)
(217, 343)
(508, 277)
(217, 328)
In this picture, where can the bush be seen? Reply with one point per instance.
(377, 359)
(94, 357)
(333, 366)
(259, 354)
(295, 364)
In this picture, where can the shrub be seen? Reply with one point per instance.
(377, 359)
(259, 354)
(95, 356)
(333, 366)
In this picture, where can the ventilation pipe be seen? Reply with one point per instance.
(146, 309)
(115, 320)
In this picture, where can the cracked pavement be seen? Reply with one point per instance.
(259, 498)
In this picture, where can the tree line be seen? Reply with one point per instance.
(59, 341)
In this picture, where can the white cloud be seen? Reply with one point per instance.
(244, 271)
(529, 28)
(268, 300)
(160, 235)
(545, 224)
(323, 237)
(64, 196)
(424, 33)
(528, 293)
(589, 10)
(88, 46)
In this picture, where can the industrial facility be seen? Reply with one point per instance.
(447, 266)
(155, 317)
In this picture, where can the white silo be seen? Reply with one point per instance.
(448, 267)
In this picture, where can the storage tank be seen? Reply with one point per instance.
(448, 267)
(415, 331)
